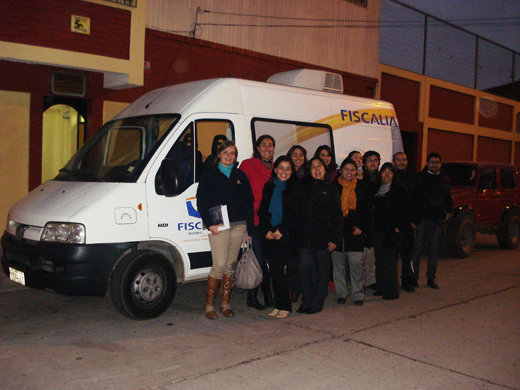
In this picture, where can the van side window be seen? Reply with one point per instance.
(507, 178)
(287, 134)
(488, 179)
(182, 153)
(210, 134)
(195, 149)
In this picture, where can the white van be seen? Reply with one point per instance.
(122, 214)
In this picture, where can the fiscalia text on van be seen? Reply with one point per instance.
(366, 117)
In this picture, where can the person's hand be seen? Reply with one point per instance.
(214, 229)
(448, 216)
(331, 246)
(356, 232)
(269, 235)
(397, 230)
(277, 235)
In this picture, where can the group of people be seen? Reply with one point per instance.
(313, 224)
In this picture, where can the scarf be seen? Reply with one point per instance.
(385, 187)
(348, 195)
(225, 170)
(371, 176)
(275, 207)
(267, 164)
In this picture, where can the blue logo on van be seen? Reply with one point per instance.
(192, 212)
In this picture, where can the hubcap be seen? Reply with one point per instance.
(148, 285)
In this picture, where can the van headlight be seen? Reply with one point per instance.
(71, 233)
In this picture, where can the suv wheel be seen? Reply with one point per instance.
(461, 237)
(508, 234)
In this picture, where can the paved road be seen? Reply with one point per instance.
(464, 336)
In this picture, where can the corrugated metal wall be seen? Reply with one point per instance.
(331, 33)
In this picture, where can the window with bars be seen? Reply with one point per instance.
(130, 3)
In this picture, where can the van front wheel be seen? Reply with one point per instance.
(143, 285)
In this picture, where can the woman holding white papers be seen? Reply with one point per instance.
(224, 185)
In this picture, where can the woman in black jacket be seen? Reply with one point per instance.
(277, 230)
(357, 219)
(224, 184)
(317, 217)
(391, 215)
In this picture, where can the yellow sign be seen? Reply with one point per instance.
(80, 24)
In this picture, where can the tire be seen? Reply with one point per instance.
(508, 235)
(143, 285)
(461, 237)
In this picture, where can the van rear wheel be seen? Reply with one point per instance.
(143, 285)
(508, 235)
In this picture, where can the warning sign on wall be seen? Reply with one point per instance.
(80, 24)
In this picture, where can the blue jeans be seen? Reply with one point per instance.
(427, 230)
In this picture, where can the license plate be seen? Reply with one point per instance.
(17, 276)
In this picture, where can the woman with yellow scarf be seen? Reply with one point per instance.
(355, 205)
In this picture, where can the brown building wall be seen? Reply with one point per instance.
(495, 115)
(451, 146)
(451, 105)
(47, 23)
(494, 150)
(176, 59)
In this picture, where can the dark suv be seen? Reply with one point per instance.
(486, 199)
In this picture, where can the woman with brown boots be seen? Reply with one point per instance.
(224, 184)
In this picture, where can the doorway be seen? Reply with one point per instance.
(63, 133)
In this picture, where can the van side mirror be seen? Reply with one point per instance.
(168, 181)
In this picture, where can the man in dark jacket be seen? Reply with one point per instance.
(435, 206)
(410, 181)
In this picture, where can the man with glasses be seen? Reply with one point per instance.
(435, 206)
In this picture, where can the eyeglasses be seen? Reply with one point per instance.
(372, 159)
(434, 162)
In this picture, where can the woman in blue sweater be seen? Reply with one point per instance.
(224, 184)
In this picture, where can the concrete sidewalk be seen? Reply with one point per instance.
(464, 336)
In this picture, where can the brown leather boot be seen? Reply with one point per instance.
(227, 284)
(211, 293)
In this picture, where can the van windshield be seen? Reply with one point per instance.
(119, 151)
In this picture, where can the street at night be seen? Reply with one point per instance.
(464, 335)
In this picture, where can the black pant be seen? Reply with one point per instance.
(292, 272)
(386, 253)
(278, 253)
(407, 238)
(314, 271)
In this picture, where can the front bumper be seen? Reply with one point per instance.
(65, 268)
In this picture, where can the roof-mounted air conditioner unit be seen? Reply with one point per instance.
(319, 80)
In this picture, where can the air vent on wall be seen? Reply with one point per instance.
(311, 79)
